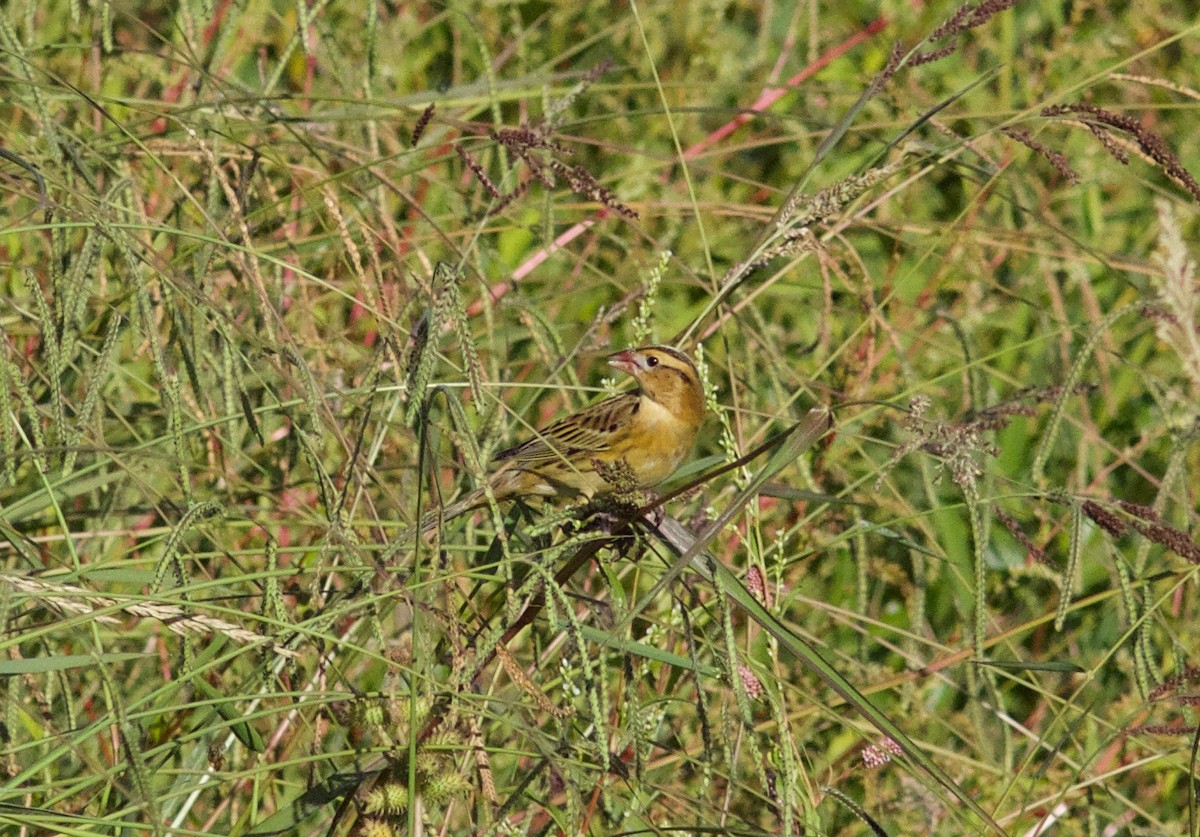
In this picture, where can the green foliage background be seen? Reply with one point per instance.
(234, 376)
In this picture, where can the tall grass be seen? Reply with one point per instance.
(280, 279)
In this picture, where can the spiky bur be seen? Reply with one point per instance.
(372, 827)
(443, 787)
(619, 474)
(435, 778)
(391, 800)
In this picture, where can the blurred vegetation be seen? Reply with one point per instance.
(279, 278)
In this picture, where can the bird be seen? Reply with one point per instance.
(636, 439)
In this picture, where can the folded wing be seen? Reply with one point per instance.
(593, 430)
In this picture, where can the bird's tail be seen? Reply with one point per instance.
(471, 500)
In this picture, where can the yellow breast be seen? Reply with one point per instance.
(657, 443)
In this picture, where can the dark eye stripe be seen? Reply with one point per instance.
(680, 356)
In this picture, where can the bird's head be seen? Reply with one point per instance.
(666, 376)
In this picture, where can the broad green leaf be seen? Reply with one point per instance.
(63, 662)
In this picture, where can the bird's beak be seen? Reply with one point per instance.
(625, 361)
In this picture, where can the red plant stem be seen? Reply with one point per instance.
(768, 97)
(771, 95)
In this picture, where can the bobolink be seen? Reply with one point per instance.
(644, 434)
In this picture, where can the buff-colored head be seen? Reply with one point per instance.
(666, 376)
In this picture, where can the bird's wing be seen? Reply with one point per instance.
(592, 430)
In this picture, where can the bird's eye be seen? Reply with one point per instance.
(651, 361)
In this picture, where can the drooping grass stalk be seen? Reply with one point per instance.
(1071, 569)
(1045, 446)
(93, 391)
